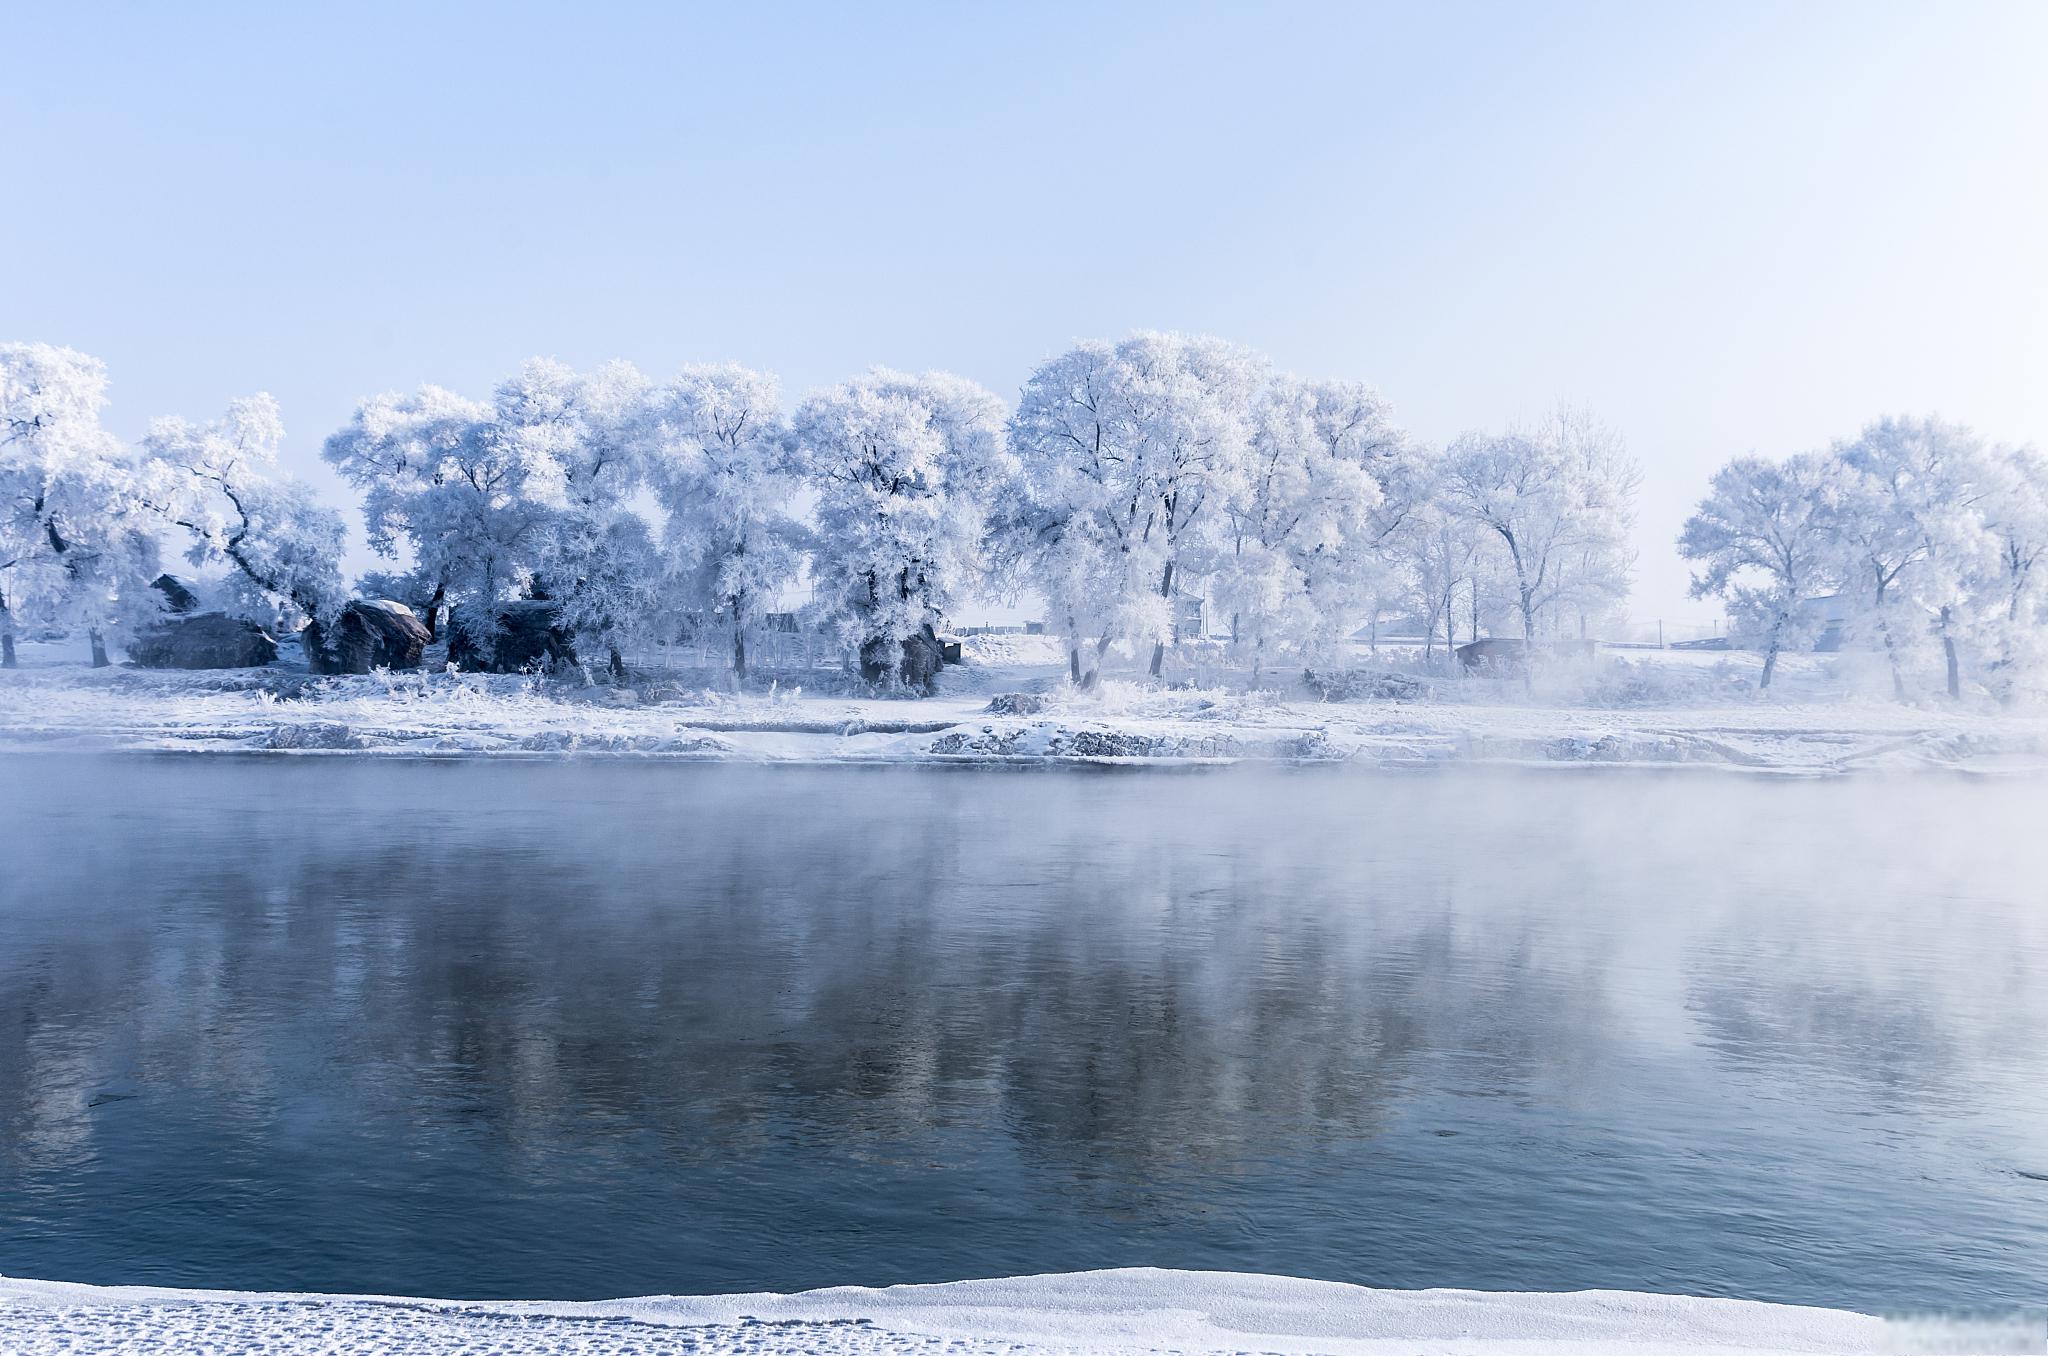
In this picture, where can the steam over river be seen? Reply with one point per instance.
(590, 1029)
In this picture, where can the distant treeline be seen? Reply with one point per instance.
(1132, 486)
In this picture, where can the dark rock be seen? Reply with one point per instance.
(921, 658)
(1507, 655)
(179, 598)
(314, 734)
(376, 633)
(528, 640)
(1018, 704)
(1111, 744)
(1497, 653)
(204, 640)
(1364, 685)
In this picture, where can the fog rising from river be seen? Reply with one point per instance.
(586, 1029)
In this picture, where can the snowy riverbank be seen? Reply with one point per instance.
(1008, 705)
(1133, 1310)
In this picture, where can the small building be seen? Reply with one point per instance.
(1828, 617)
(1394, 626)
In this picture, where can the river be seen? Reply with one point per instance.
(584, 1029)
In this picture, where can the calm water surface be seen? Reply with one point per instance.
(579, 1031)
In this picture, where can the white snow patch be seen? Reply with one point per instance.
(1131, 1310)
(999, 713)
(1007, 651)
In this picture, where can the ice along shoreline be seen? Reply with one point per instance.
(1128, 1310)
(1002, 715)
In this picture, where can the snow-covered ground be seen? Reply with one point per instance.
(1009, 704)
(1136, 1310)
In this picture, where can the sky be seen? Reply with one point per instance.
(1724, 228)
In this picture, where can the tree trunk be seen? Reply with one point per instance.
(1166, 592)
(314, 642)
(433, 617)
(618, 665)
(1891, 651)
(7, 646)
(99, 647)
(739, 640)
(1074, 664)
(1891, 646)
(1093, 678)
(1948, 652)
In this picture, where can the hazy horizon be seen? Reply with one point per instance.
(1723, 230)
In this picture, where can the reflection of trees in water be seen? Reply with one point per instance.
(644, 1022)
(1118, 976)
(1887, 990)
(1884, 941)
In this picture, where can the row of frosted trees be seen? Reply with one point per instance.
(1129, 479)
(1916, 539)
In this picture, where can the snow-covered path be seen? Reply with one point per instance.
(1138, 1310)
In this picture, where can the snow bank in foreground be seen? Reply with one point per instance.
(1139, 1310)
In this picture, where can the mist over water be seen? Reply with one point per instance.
(585, 1029)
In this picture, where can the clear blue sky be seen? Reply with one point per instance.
(1725, 227)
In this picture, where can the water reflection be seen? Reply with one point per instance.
(587, 1030)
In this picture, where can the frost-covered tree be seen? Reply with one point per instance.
(1302, 542)
(2012, 605)
(1557, 504)
(905, 468)
(440, 490)
(219, 481)
(716, 452)
(74, 546)
(1189, 401)
(527, 496)
(574, 436)
(1604, 480)
(1764, 540)
(1911, 527)
(1439, 555)
(1129, 453)
(1069, 526)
